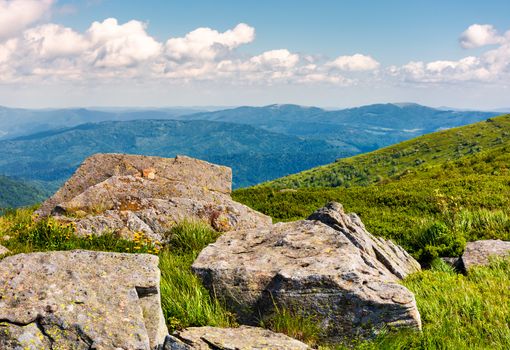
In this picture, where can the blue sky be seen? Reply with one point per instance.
(325, 53)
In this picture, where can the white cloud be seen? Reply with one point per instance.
(207, 44)
(357, 62)
(16, 15)
(478, 35)
(276, 58)
(51, 40)
(115, 45)
(466, 69)
(493, 66)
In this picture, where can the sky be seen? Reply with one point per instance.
(89, 53)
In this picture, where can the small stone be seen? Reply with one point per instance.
(479, 253)
(244, 337)
(149, 173)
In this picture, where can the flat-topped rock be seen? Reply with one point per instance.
(128, 194)
(100, 167)
(479, 253)
(244, 337)
(80, 300)
(328, 267)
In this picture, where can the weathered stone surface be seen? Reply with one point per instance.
(328, 267)
(392, 256)
(480, 252)
(80, 300)
(128, 193)
(21, 337)
(244, 337)
(3, 250)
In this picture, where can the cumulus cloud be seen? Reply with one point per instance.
(276, 58)
(114, 45)
(492, 66)
(16, 15)
(357, 62)
(112, 51)
(207, 44)
(478, 35)
(51, 40)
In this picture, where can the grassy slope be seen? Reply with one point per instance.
(460, 191)
(413, 156)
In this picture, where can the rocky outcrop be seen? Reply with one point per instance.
(327, 267)
(480, 252)
(129, 193)
(80, 300)
(244, 337)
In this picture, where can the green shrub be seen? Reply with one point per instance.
(438, 240)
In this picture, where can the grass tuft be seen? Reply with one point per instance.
(191, 236)
(294, 325)
(185, 301)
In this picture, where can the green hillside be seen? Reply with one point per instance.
(421, 155)
(430, 194)
(15, 193)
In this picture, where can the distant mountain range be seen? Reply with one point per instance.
(15, 122)
(359, 129)
(254, 154)
(259, 143)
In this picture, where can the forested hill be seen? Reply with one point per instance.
(19, 193)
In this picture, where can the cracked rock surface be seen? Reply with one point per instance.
(80, 300)
(244, 337)
(327, 267)
(131, 193)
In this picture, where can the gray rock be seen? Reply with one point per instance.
(125, 194)
(80, 300)
(480, 252)
(21, 337)
(244, 337)
(392, 256)
(328, 267)
(3, 250)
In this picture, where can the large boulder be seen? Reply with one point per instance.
(244, 337)
(80, 300)
(480, 252)
(130, 193)
(327, 267)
